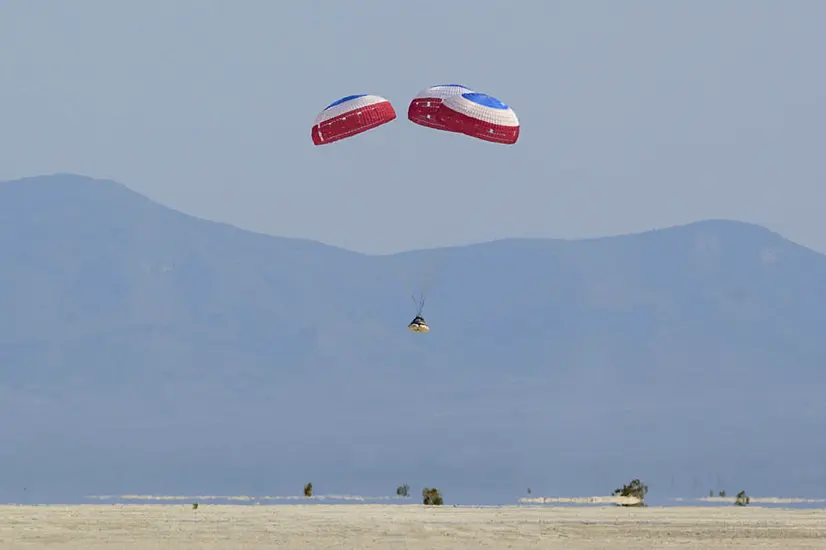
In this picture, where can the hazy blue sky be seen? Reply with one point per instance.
(635, 114)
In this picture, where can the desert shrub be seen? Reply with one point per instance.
(403, 490)
(432, 497)
(721, 494)
(308, 490)
(636, 489)
(742, 499)
(194, 505)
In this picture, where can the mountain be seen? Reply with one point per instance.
(144, 350)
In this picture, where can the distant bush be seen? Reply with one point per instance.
(742, 499)
(403, 490)
(194, 505)
(432, 497)
(636, 489)
(308, 490)
(722, 494)
(711, 493)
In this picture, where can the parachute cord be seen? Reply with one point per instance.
(419, 303)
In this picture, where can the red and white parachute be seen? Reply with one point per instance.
(481, 116)
(457, 108)
(424, 108)
(350, 116)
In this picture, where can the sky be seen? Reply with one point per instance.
(635, 114)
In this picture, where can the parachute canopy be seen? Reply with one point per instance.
(350, 116)
(423, 110)
(481, 116)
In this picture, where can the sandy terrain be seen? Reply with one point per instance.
(372, 526)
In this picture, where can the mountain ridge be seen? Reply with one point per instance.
(70, 178)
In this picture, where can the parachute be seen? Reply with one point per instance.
(424, 108)
(350, 116)
(481, 116)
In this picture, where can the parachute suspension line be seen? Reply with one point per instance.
(425, 280)
(419, 304)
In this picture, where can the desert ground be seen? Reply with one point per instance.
(374, 526)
